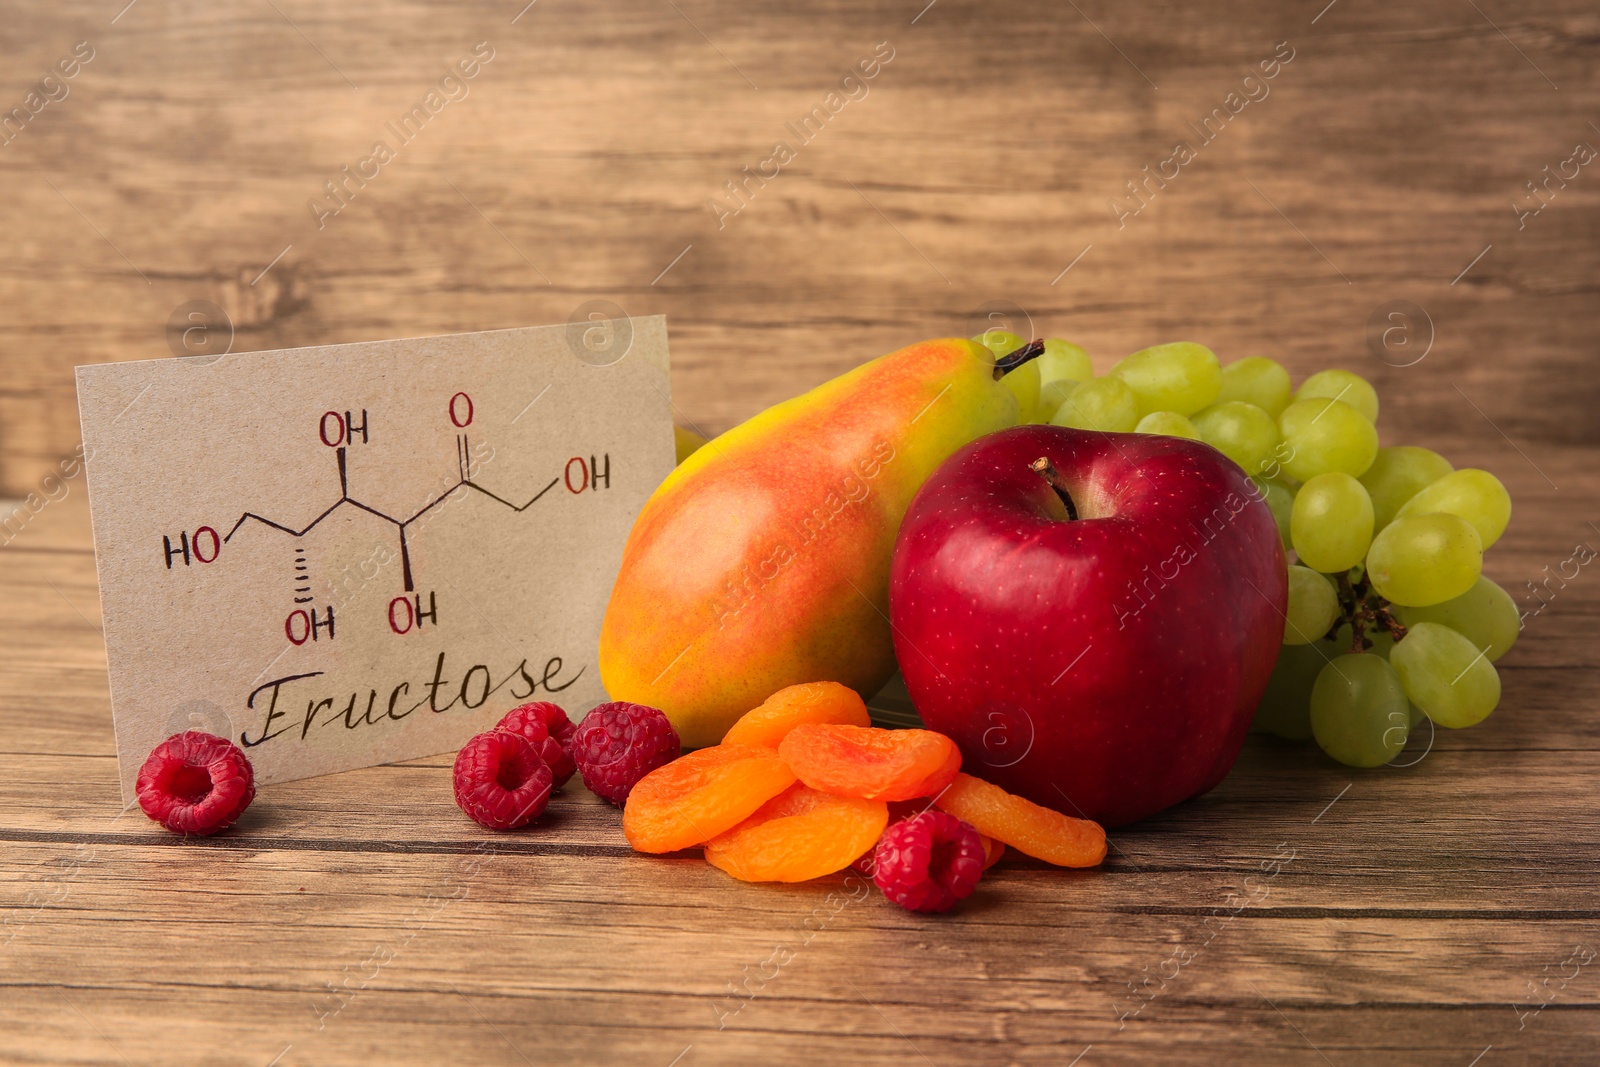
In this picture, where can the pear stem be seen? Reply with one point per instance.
(1043, 467)
(1013, 360)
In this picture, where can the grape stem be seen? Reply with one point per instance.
(1359, 641)
(1396, 628)
(1362, 608)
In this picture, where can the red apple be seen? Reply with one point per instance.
(1094, 631)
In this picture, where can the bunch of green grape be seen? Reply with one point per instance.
(1390, 618)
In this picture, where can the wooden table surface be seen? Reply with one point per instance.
(1370, 207)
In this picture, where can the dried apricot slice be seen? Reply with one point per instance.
(992, 851)
(701, 794)
(869, 762)
(936, 782)
(798, 835)
(1038, 831)
(791, 706)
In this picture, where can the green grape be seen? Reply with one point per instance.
(1416, 716)
(1063, 360)
(1475, 495)
(1397, 475)
(1485, 615)
(1256, 380)
(1000, 342)
(1313, 605)
(1052, 394)
(1324, 435)
(1445, 675)
(1279, 499)
(1358, 711)
(1285, 708)
(1168, 424)
(1420, 560)
(1331, 524)
(1099, 404)
(1242, 432)
(1023, 382)
(1352, 388)
(1182, 377)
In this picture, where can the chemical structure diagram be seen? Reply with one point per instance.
(406, 613)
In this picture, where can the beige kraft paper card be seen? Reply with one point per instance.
(356, 554)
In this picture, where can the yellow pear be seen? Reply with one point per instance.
(762, 560)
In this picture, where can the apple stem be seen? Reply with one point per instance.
(1043, 467)
(1011, 361)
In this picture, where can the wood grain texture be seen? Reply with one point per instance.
(982, 159)
(1420, 915)
(1426, 914)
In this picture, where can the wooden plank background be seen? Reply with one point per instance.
(1442, 914)
(979, 164)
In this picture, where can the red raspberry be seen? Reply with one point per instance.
(899, 811)
(548, 727)
(500, 780)
(196, 783)
(928, 862)
(555, 719)
(619, 743)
